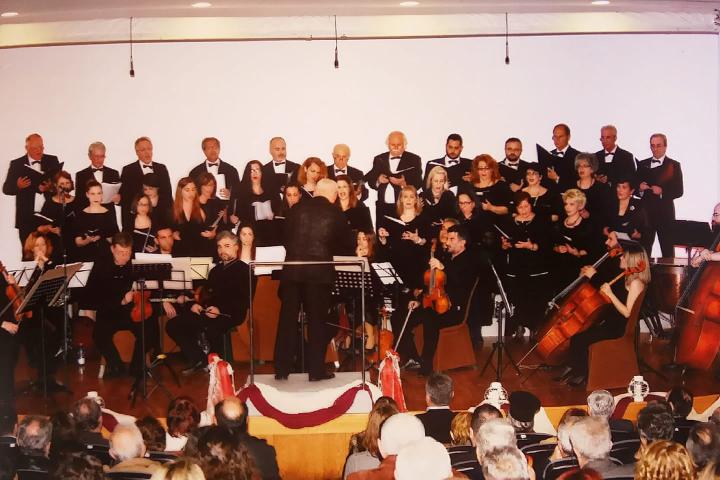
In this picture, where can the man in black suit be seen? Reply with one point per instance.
(315, 230)
(279, 170)
(213, 164)
(132, 179)
(438, 416)
(561, 171)
(26, 177)
(96, 171)
(614, 163)
(391, 171)
(232, 413)
(341, 156)
(457, 167)
(513, 168)
(660, 182)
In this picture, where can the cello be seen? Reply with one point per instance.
(698, 316)
(16, 296)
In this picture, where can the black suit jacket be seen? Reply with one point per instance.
(109, 175)
(622, 166)
(276, 181)
(263, 454)
(514, 176)
(132, 184)
(669, 177)
(232, 178)
(565, 167)
(25, 198)
(355, 174)
(381, 165)
(455, 172)
(437, 423)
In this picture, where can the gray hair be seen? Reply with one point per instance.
(34, 433)
(505, 463)
(589, 158)
(397, 431)
(601, 403)
(126, 442)
(563, 434)
(96, 145)
(425, 458)
(227, 235)
(396, 132)
(494, 434)
(439, 387)
(590, 438)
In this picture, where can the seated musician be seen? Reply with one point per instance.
(705, 254)
(613, 320)
(111, 295)
(224, 305)
(461, 269)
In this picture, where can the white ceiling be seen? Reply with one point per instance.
(33, 11)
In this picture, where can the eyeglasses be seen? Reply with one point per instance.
(483, 168)
(467, 202)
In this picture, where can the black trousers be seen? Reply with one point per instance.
(529, 295)
(8, 360)
(187, 329)
(110, 321)
(580, 343)
(432, 322)
(30, 335)
(315, 301)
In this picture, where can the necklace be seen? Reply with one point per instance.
(573, 223)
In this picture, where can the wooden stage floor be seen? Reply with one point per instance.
(470, 385)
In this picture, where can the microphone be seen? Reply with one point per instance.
(497, 310)
(132, 70)
(337, 62)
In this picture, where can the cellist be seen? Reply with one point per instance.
(705, 254)
(612, 322)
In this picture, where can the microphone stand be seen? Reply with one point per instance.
(66, 285)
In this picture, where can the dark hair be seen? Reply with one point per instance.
(462, 232)
(439, 387)
(513, 139)
(78, 466)
(521, 196)
(34, 439)
(8, 419)
(64, 436)
(680, 400)
(703, 443)
(123, 239)
(65, 175)
(564, 127)
(136, 200)
(236, 423)
(92, 183)
(655, 422)
(482, 414)
(87, 413)
(222, 457)
(454, 137)
(153, 433)
(182, 417)
(204, 179)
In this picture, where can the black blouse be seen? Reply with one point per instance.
(359, 219)
(409, 259)
(90, 224)
(522, 261)
(499, 194)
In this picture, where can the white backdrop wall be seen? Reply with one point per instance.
(244, 93)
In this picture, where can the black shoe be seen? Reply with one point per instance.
(577, 380)
(425, 371)
(322, 376)
(53, 386)
(197, 367)
(114, 371)
(281, 376)
(519, 333)
(564, 374)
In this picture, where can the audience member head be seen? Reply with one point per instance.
(397, 431)
(77, 466)
(232, 414)
(34, 435)
(601, 404)
(581, 474)
(590, 439)
(182, 417)
(221, 456)
(379, 413)
(715, 418)
(482, 414)
(664, 460)
(494, 433)
(64, 435)
(87, 414)
(152, 432)
(563, 430)
(523, 407)
(425, 458)
(655, 422)
(504, 463)
(385, 400)
(460, 429)
(703, 444)
(680, 400)
(180, 469)
(126, 442)
(438, 390)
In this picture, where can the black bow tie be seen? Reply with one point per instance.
(147, 166)
(656, 161)
(453, 161)
(609, 154)
(558, 153)
(97, 169)
(394, 158)
(35, 162)
(278, 164)
(216, 164)
(339, 172)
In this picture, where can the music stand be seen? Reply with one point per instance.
(47, 291)
(141, 272)
(689, 234)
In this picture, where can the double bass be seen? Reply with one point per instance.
(698, 316)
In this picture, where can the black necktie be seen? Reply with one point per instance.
(278, 164)
(97, 169)
(654, 161)
(453, 161)
(147, 166)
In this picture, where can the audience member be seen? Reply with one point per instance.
(564, 448)
(397, 431)
(222, 457)
(580, 474)
(711, 472)
(504, 463)
(232, 414)
(153, 433)
(523, 407)
(664, 460)
(495, 433)
(182, 417)
(715, 417)
(463, 458)
(681, 403)
(180, 469)
(64, 436)
(655, 422)
(77, 466)
(356, 440)
(703, 444)
(460, 429)
(368, 454)
(128, 450)
(87, 416)
(438, 416)
(425, 458)
(590, 440)
(601, 403)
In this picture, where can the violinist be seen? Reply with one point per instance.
(222, 304)
(460, 272)
(111, 295)
(623, 295)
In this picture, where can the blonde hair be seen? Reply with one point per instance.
(573, 194)
(399, 205)
(437, 170)
(664, 460)
(635, 256)
(460, 428)
(180, 469)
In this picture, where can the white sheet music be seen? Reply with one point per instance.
(269, 254)
(386, 273)
(221, 184)
(79, 280)
(109, 191)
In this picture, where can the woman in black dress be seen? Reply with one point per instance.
(214, 208)
(626, 215)
(492, 195)
(310, 172)
(255, 205)
(545, 202)
(94, 227)
(191, 237)
(142, 229)
(597, 206)
(356, 213)
(57, 215)
(438, 200)
(525, 261)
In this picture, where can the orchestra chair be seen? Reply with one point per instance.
(101, 452)
(612, 363)
(540, 453)
(557, 467)
(29, 474)
(455, 347)
(527, 439)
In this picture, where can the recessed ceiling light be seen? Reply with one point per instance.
(600, 2)
(202, 5)
(409, 4)
(9, 14)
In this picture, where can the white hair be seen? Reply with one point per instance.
(601, 403)
(126, 442)
(505, 463)
(425, 458)
(563, 434)
(590, 438)
(398, 431)
(492, 434)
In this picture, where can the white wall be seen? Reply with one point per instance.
(244, 93)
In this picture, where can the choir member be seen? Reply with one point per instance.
(438, 199)
(561, 171)
(191, 236)
(482, 232)
(597, 205)
(8, 349)
(356, 213)
(492, 196)
(94, 226)
(97, 170)
(279, 171)
(626, 214)
(309, 173)
(341, 156)
(161, 214)
(614, 162)
(57, 215)
(142, 228)
(544, 201)
(214, 165)
(214, 208)
(255, 204)
(512, 167)
(457, 167)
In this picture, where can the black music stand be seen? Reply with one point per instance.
(47, 291)
(141, 273)
(690, 234)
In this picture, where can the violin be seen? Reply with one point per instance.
(435, 296)
(141, 305)
(16, 296)
(385, 337)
